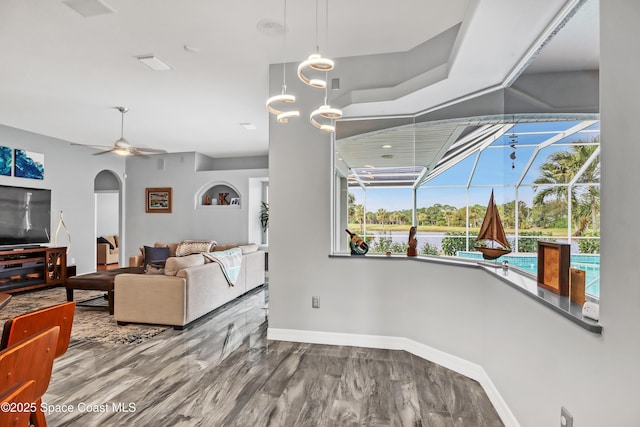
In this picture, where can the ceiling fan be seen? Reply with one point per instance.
(123, 147)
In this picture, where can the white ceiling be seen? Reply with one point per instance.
(62, 74)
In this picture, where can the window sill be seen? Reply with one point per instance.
(518, 279)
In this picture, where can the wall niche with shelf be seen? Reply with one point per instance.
(218, 195)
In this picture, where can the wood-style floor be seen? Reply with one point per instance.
(223, 371)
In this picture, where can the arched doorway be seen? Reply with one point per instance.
(108, 220)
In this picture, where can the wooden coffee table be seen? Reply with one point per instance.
(98, 281)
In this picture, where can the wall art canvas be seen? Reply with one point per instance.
(29, 164)
(6, 157)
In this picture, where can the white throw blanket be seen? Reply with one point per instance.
(230, 261)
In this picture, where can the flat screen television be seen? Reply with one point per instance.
(25, 216)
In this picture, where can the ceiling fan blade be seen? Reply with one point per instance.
(149, 150)
(103, 152)
(92, 145)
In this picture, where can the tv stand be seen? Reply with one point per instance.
(27, 268)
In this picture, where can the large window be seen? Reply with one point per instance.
(438, 176)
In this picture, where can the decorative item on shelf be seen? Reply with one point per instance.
(577, 286)
(554, 261)
(492, 240)
(222, 198)
(358, 246)
(207, 200)
(158, 200)
(413, 242)
(235, 201)
(60, 226)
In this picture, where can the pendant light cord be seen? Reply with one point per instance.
(284, 50)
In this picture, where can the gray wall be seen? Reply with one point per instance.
(69, 173)
(537, 359)
(107, 214)
(223, 224)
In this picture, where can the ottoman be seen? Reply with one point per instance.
(98, 281)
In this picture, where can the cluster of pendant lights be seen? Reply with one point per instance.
(323, 117)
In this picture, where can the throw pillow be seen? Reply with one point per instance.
(103, 240)
(154, 256)
(188, 247)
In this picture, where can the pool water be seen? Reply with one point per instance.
(529, 262)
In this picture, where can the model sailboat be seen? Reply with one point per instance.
(492, 240)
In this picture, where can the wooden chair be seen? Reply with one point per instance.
(20, 397)
(28, 324)
(25, 325)
(30, 360)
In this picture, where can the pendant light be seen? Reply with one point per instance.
(323, 118)
(315, 62)
(283, 116)
(326, 113)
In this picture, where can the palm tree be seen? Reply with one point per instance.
(558, 171)
(382, 216)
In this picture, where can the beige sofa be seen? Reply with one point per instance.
(188, 289)
(106, 255)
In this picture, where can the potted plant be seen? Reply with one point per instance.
(264, 216)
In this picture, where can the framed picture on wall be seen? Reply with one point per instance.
(158, 200)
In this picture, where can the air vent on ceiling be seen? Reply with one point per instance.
(153, 62)
(89, 8)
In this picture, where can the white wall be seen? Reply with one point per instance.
(538, 360)
(69, 173)
(107, 213)
(223, 224)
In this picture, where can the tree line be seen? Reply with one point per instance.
(550, 204)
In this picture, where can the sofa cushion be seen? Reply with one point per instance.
(188, 247)
(172, 247)
(175, 264)
(250, 248)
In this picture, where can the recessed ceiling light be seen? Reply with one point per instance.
(386, 146)
(248, 126)
(270, 28)
(369, 166)
(153, 62)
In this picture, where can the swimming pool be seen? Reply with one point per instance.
(529, 262)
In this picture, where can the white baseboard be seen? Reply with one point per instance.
(457, 364)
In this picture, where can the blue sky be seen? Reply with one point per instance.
(494, 166)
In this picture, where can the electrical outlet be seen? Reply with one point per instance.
(566, 419)
(315, 302)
